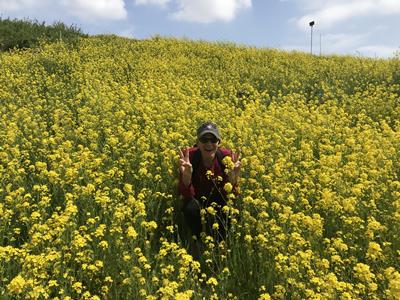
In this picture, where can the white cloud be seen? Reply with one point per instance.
(329, 16)
(207, 11)
(152, 2)
(355, 27)
(16, 5)
(351, 44)
(201, 11)
(95, 10)
(329, 13)
(377, 51)
(335, 43)
(127, 32)
(84, 9)
(332, 44)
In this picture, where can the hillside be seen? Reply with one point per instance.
(88, 165)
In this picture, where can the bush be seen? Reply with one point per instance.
(22, 34)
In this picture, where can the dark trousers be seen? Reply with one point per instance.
(191, 211)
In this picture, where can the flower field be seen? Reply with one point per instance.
(89, 139)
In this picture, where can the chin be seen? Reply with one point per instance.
(209, 153)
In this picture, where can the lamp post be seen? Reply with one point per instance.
(311, 25)
(320, 44)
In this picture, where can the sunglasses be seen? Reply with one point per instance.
(204, 139)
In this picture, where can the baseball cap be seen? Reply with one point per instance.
(208, 127)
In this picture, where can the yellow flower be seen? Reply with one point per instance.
(211, 210)
(131, 232)
(52, 283)
(374, 251)
(77, 286)
(264, 296)
(212, 281)
(363, 273)
(229, 165)
(228, 187)
(393, 277)
(103, 244)
(128, 188)
(248, 238)
(16, 285)
(151, 226)
(186, 295)
(108, 279)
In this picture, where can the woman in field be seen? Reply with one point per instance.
(206, 176)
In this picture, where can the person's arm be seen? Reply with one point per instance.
(186, 190)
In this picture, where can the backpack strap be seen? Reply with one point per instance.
(196, 160)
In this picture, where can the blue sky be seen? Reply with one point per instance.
(356, 27)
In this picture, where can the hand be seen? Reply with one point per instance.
(233, 175)
(185, 167)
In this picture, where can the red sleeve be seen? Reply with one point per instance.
(185, 191)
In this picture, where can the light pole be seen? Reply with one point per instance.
(311, 25)
(320, 44)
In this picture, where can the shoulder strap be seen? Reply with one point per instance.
(196, 159)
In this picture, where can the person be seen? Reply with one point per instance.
(202, 178)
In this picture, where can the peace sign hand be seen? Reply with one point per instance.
(185, 167)
(234, 174)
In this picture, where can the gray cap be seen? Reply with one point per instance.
(208, 127)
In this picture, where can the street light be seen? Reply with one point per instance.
(311, 25)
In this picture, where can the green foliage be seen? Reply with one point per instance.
(21, 34)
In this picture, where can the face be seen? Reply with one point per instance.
(208, 145)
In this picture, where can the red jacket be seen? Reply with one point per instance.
(202, 186)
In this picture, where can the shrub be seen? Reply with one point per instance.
(21, 34)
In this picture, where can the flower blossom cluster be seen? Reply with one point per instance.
(88, 166)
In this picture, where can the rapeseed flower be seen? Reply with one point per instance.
(228, 187)
(17, 284)
(88, 168)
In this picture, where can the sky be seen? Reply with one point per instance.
(368, 28)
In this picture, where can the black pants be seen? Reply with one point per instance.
(191, 211)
